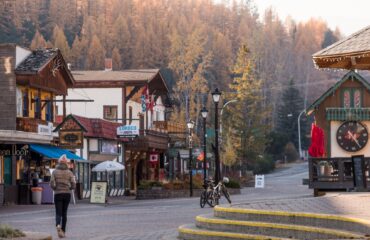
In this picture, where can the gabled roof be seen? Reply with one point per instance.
(352, 52)
(96, 127)
(116, 79)
(350, 75)
(125, 75)
(62, 121)
(36, 60)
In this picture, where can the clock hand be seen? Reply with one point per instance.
(354, 139)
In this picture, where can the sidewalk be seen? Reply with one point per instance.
(14, 209)
(350, 204)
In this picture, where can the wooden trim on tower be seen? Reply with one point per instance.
(124, 103)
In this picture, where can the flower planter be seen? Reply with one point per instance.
(142, 194)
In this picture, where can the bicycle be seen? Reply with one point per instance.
(205, 196)
(214, 196)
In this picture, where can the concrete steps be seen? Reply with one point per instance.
(240, 223)
(192, 232)
(297, 218)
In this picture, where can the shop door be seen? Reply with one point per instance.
(8, 170)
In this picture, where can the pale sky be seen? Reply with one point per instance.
(348, 16)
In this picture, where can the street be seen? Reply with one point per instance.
(147, 219)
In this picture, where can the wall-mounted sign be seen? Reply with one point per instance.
(127, 131)
(45, 129)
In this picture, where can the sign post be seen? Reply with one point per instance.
(358, 168)
(259, 181)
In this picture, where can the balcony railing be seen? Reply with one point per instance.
(347, 114)
(334, 173)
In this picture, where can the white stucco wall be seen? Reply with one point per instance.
(101, 97)
(108, 96)
(20, 55)
(337, 151)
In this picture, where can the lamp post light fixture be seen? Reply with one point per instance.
(190, 126)
(204, 113)
(216, 94)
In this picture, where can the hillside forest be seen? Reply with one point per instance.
(262, 62)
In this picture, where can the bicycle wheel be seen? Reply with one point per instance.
(226, 194)
(203, 199)
(210, 199)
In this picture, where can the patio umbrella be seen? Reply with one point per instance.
(108, 166)
(317, 147)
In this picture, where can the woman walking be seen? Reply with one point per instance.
(62, 182)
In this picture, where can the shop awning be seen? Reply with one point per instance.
(53, 152)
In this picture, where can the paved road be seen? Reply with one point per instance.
(147, 219)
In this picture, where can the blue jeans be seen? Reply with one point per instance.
(61, 201)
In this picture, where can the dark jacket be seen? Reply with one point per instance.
(62, 180)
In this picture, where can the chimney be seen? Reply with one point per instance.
(108, 64)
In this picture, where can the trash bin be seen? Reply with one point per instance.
(36, 195)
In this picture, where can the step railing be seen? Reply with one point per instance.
(334, 173)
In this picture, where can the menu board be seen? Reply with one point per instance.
(98, 192)
(359, 178)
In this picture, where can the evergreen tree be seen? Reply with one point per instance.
(95, 55)
(116, 58)
(38, 41)
(288, 111)
(248, 112)
(59, 40)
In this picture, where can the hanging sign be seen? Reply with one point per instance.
(71, 133)
(127, 131)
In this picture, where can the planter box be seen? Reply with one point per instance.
(166, 193)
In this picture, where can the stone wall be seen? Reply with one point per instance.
(165, 193)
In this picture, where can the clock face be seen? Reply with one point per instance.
(352, 136)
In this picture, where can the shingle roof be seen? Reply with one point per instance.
(357, 42)
(126, 75)
(36, 60)
(96, 127)
(352, 52)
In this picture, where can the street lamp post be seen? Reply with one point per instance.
(216, 98)
(222, 110)
(204, 113)
(190, 126)
(299, 133)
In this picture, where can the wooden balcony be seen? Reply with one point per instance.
(334, 173)
(175, 130)
(29, 124)
(149, 139)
